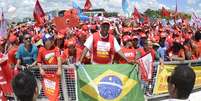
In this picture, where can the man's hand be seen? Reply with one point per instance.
(133, 62)
(42, 72)
(17, 66)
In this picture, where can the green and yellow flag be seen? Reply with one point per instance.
(108, 83)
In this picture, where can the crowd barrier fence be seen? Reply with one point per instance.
(68, 85)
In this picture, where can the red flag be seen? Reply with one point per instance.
(38, 14)
(175, 8)
(69, 20)
(87, 5)
(136, 14)
(146, 67)
(165, 13)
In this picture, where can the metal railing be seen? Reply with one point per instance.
(68, 85)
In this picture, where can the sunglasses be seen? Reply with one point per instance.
(28, 38)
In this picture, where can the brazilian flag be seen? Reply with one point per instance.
(118, 82)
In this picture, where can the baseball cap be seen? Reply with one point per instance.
(134, 37)
(126, 38)
(105, 22)
(47, 37)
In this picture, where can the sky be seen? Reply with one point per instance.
(24, 8)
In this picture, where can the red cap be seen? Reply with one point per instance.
(12, 38)
(142, 35)
(134, 37)
(1, 40)
(105, 22)
(126, 38)
(127, 29)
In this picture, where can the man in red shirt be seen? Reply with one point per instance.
(49, 54)
(102, 46)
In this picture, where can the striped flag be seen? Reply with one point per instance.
(3, 25)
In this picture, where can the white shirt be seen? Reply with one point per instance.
(89, 43)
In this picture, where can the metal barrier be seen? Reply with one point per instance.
(68, 85)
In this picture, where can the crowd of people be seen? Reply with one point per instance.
(105, 41)
(29, 45)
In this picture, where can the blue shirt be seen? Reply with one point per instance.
(27, 57)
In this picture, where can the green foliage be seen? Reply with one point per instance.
(155, 14)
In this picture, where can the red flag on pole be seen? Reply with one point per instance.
(136, 14)
(38, 14)
(87, 5)
(165, 12)
(176, 7)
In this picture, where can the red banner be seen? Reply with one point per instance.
(50, 85)
(146, 67)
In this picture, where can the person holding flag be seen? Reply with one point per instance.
(102, 46)
(50, 55)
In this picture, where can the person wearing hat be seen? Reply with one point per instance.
(81, 40)
(26, 53)
(102, 46)
(12, 50)
(49, 54)
(60, 41)
(143, 38)
(163, 46)
(176, 52)
(148, 48)
(71, 53)
(127, 49)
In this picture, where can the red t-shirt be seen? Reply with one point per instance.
(129, 53)
(75, 59)
(11, 55)
(48, 57)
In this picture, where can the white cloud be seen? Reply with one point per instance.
(24, 8)
(191, 2)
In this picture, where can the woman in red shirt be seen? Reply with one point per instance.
(176, 52)
(127, 49)
(49, 54)
(12, 50)
(71, 54)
